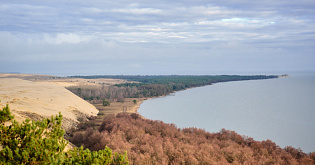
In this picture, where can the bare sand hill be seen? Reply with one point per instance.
(42, 99)
(63, 81)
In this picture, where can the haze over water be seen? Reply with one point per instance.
(281, 110)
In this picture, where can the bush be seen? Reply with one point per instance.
(85, 156)
(42, 142)
(106, 103)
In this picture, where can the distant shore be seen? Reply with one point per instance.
(283, 76)
(173, 93)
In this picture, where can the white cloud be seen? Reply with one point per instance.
(138, 10)
(66, 38)
(87, 20)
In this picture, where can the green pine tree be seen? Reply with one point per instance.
(42, 142)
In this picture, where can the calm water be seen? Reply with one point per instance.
(282, 110)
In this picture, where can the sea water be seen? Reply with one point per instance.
(282, 109)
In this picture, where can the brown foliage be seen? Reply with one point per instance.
(155, 142)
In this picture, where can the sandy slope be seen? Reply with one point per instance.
(42, 99)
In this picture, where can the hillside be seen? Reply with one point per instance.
(42, 99)
(155, 142)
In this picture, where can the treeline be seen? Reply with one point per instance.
(188, 80)
(151, 86)
(119, 92)
(154, 142)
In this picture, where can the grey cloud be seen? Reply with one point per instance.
(159, 36)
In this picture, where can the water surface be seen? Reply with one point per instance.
(281, 110)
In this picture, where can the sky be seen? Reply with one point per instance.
(157, 37)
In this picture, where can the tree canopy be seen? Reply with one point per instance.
(42, 142)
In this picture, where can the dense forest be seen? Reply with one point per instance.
(154, 142)
(151, 86)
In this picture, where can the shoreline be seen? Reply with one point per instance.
(280, 76)
(136, 111)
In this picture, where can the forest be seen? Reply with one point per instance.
(155, 142)
(151, 86)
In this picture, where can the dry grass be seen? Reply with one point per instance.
(117, 107)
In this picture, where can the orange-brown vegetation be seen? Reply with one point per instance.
(154, 142)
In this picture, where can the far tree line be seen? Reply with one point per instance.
(150, 86)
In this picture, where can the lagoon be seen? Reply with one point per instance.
(282, 110)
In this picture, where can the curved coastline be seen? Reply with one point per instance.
(274, 110)
(173, 93)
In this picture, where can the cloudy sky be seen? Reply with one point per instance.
(79, 37)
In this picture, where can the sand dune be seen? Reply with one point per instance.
(39, 99)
